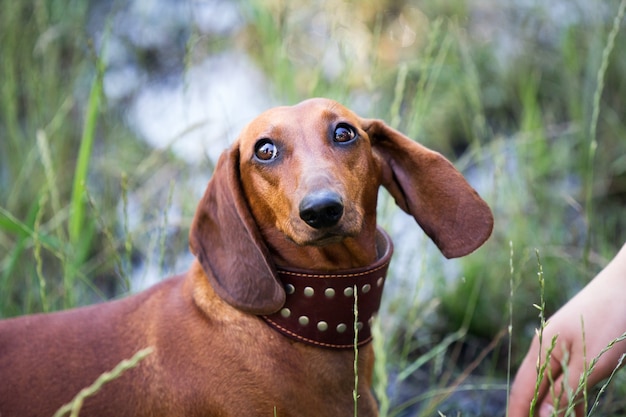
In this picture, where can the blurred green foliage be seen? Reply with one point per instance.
(505, 93)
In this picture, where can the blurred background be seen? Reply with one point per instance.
(113, 113)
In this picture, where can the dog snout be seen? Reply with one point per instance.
(321, 209)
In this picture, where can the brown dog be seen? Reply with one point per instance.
(263, 322)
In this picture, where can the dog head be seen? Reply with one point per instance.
(311, 173)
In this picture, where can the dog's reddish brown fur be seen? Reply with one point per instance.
(213, 356)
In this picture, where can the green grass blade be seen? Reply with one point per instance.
(593, 142)
(75, 405)
(84, 154)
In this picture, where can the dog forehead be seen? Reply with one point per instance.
(316, 113)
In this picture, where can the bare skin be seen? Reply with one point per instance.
(601, 309)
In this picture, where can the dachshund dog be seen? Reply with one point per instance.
(264, 322)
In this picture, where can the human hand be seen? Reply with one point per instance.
(600, 310)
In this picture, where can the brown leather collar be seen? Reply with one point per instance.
(319, 308)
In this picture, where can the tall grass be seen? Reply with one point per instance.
(64, 155)
(40, 65)
(593, 124)
(541, 365)
(582, 388)
(528, 132)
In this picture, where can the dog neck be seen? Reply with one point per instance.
(320, 306)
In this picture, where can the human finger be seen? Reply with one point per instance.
(525, 386)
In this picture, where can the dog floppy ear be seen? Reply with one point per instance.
(428, 187)
(228, 244)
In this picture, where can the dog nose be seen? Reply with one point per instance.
(321, 209)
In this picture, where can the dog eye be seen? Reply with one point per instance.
(344, 133)
(265, 150)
